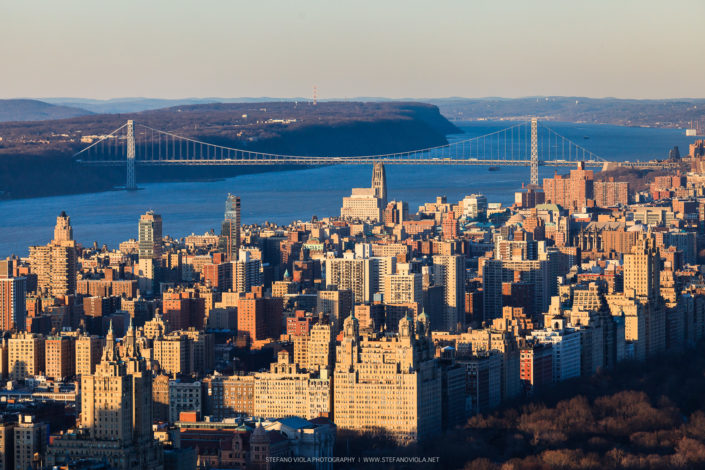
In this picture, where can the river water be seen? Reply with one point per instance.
(196, 207)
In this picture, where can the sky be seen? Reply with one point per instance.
(360, 48)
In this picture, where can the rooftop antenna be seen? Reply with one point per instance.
(315, 95)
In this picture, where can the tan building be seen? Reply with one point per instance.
(55, 267)
(88, 351)
(316, 350)
(321, 347)
(283, 288)
(63, 269)
(362, 204)
(150, 236)
(336, 304)
(389, 383)
(30, 442)
(25, 355)
(230, 396)
(116, 414)
(403, 288)
(287, 391)
(354, 274)
(160, 398)
(172, 354)
(634, 324)
(642, 271)
(184, 395)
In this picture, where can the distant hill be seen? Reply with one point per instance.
(649, 113)
(327, 129)
(135, 105)
(625, 112)
(34, 110)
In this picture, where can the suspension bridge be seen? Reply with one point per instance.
(529, 144)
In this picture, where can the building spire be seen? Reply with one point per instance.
(109, 353)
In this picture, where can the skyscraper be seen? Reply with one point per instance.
(642, 270)
(12, 303)
(388, 382)
(62, 230)
(231, 226)
(150, 236)
(116, 413)
(367, 203)
(55, 264)
(449, 271)
(30, 442)
(379, 183)
(87, 354)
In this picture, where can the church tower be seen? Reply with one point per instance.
(379, 183)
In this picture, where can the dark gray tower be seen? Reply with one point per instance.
(379, 183)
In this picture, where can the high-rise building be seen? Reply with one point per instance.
(362, 204)
(230, 229)
(59, 355)
(150, 236)
(388, 382)
(184, 395)
(449, 271)
(570, 191)
(172, 354)
(7, 444)
(229, 396)
(116, 414)
(62, 230)
(642, 270)
(13, 291)
(287, 391)
(320, 347)
(160, 398)
(474, 206)
(259, 318)
(246, 272)
(611, 193)
(403, 288)
(395, 213)
(379, 183)
(336, 305)
(64, 265)
(30, 438)
(25, 355)
(354, 274)
(55, 264)
(367, 203)
(88, 351)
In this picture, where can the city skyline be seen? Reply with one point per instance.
(379, 282)
(283, 49)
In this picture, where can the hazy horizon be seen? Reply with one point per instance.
(398, 50)
(352, 98)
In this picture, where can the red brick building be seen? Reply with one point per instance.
(536, 366)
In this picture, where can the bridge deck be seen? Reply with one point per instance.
(369, 161)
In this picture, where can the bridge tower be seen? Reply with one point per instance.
(130, 183)
(534, 152)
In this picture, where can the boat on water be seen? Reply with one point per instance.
(493, 168)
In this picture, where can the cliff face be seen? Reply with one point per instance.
(333, 129)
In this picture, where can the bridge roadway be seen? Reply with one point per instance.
(316, 161)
